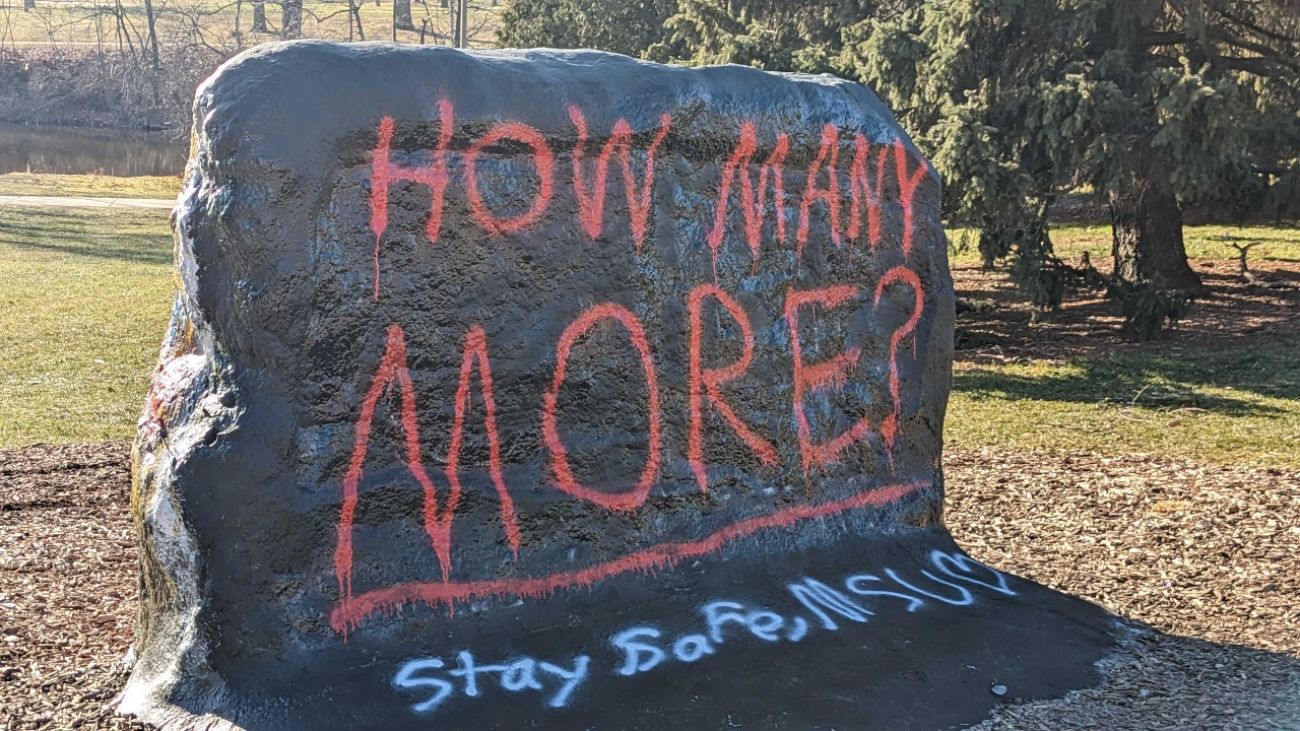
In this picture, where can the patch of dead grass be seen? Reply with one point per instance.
(90, 186)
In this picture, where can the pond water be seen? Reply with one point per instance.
(122, 153)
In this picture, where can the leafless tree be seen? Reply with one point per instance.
(146, 57)
(1243, 250)
(402, 16)
(8, 27)
(354, 16)
(442, 21)
(291, 19)
(153, 33)
(259, 16)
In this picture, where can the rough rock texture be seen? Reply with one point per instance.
(559, 390)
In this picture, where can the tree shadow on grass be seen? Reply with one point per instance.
(1167, 380)
(82, 235)
(88, 249)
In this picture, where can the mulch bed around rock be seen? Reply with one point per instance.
(67, 585)
(1176, 547)
(1203, 562)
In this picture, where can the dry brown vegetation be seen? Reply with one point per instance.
(1200, 560)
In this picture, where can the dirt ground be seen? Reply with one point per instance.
(1003, 328)
(1202, 563)
(67, 585)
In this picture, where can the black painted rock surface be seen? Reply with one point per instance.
(559, 390)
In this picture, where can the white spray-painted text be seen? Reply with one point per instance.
(949, 579)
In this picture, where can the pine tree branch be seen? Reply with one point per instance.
(1255, 28)
(1264, 51)
(1257, 66)
(1153, 39)
(1266, 64)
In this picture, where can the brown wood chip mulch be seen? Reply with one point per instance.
(1202, 561)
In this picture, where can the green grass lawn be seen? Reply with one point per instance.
(85, 298)
(1275, 243)
(1218, 404)
(92, 186)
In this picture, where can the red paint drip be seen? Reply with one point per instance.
(476, 351)
(908, 277)
(383, 172)
(708, 382)
(564, 478)
(828, 158)
(591, 198)
(907, 185)
(392, 367)
(349, 611)
(864, 198)
(638, 201)
(753, 203)
(828, 374)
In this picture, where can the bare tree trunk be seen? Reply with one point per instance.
(259, 16)
(291, 19)
(1147, 244)
(462, 24)
(99, 27)
(119, 13)
(153, 33)
(402, 15)
(454, 7)
(354, 16)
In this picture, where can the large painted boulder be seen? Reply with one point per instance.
(558, 390)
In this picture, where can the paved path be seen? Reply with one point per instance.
(84, 202)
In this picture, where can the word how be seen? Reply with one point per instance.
(951, 579)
